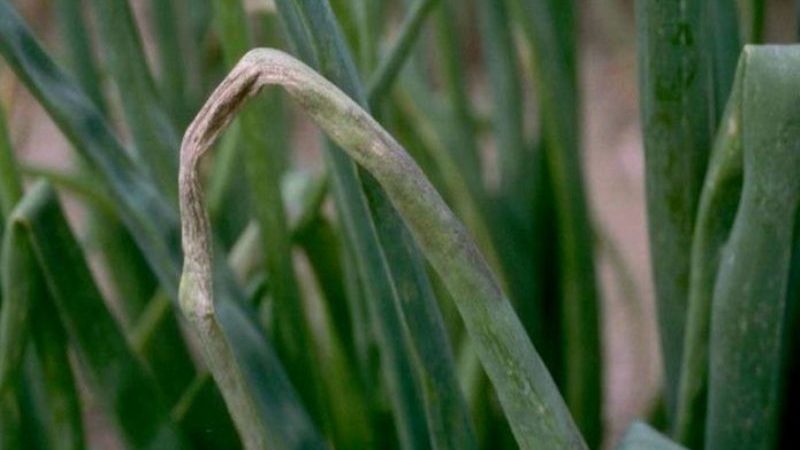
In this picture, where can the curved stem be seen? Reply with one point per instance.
(537, 413)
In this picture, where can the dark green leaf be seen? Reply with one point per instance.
(675, 98)
(129, 394)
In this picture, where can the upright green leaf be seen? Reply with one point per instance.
(465, 147)
(155, 139)
(724, 46)
(331, 57)
(63, 421)
(170, 32)
(72, 27)
(750, 322)
(23, 294)
(263, 171)
(10, 184)
(145, 212)
(388, 69)
(718, 204)
(641, 436)
(550, 28)
(675, 98)
(128, 393)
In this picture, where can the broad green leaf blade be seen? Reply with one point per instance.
(550, 29)
(675, 98)
(641, 436)
(127, 391)
(164, 350)
(749, 322)
(718, 204)
(537, 413)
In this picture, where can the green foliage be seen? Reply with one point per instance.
(437, 310)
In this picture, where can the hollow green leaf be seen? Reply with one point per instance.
(59, 399)
(504, 81)
(75, 34)
(263, 171)
(146, 214)
(381, 295)
(724, 45)
(388, 69)
(24, 295)
(171, 33)
(641, 436)
(750, 323)
(550, 29)
(675, 98)
(20, 288)
(10, 184)
(718, 204)
(204, 430)
(151, 129)
(461, 118)
(115, 373)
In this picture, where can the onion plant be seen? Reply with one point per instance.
(417, 288)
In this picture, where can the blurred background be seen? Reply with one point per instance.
(613, 166)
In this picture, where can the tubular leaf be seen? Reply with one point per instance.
(537, 413)
(145, 212)
(750, 322)
(121, 381)
(675, 99)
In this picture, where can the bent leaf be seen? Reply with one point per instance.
(538, 415)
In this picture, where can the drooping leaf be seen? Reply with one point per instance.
(535, 409)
